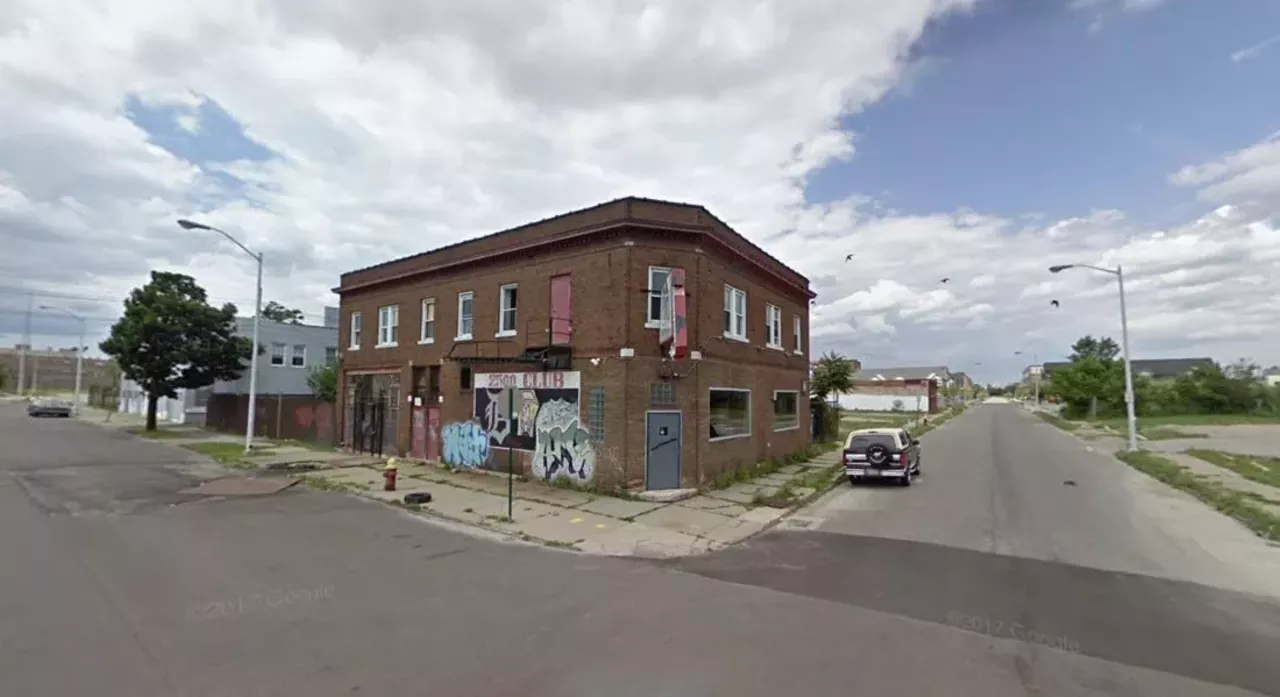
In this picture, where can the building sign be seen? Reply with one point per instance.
(546, 380)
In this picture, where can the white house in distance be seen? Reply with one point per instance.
(897, 389)
(289, 353)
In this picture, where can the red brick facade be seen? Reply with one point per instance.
(606, 251)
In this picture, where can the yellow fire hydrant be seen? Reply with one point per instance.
(389, 475)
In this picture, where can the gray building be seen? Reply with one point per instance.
(289, 353)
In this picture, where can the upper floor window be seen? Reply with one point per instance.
(735, 313)
(507, 310)
(466, 315)
(773, 326)
(298, 358)
(277, 354)
(388, 325)
(795, 329)
(658, 277)
(355, 331)
(427, 332)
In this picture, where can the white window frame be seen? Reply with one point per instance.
(750, 419)
(468, 336)
(504, 311)
(357, 324)
(655, 291)
(294, 353)
(282, 355)
(388, 326)
(427, 321)
(775, 410)
(799, 337)
(773, 323)
(737, 316)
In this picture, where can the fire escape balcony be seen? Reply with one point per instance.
(546, 344)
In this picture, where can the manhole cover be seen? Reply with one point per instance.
(242, 486)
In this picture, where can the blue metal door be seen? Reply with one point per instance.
(662, 450)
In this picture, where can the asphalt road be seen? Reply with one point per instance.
(112, 583)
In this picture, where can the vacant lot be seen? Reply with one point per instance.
(852, 420)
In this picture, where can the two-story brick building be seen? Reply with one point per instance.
(636, 343)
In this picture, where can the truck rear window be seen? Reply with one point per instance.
(861, 443)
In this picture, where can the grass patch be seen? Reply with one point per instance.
(163, 433)
(1167, 433)
(1225, 500)
(1059, 421)
(226, 453)
(1263, 470)
(1119, 423)
(326, 484)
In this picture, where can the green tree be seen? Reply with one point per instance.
(323, 382)
(276, 312)
(833, 375)
(1104, 349)
(170, 338)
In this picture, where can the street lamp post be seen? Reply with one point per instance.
(257, 312)
(1118, 272)
(79, 353)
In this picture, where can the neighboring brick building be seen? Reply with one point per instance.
(570, 310)
(897, 389)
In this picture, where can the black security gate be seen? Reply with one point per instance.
(372, 412)
(369, 423)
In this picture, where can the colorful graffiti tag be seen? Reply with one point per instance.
(507, 404)
(538, 412)
(563, 447)
(466, 445)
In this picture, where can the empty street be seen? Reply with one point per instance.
(992, 575)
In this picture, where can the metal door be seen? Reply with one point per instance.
(663, 446)
(561, 310)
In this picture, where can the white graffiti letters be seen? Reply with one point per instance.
(497, 420)
(563, 445)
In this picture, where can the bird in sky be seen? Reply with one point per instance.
(848, 257)
(1054, 303)
(946, 280)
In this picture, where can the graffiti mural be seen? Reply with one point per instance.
(563, 447)
(507, 404)
(466, 445)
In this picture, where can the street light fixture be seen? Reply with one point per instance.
(75, 400)
(1118, 272)
(257, 312)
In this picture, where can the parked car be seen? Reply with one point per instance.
(881, 453)
(49, 407)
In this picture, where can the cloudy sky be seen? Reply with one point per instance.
(978, 140)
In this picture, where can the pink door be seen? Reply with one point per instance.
(561, 310)
(418, 450)
(433, 433)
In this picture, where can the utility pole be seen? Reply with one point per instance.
(26, 341)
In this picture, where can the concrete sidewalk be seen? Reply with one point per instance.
(591, 522)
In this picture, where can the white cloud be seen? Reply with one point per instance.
(403, 126)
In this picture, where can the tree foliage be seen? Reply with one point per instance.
(276, 312)
(1104, 349)
(1095, 373)
(323, 381)
(833, 375)
(170, 338)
